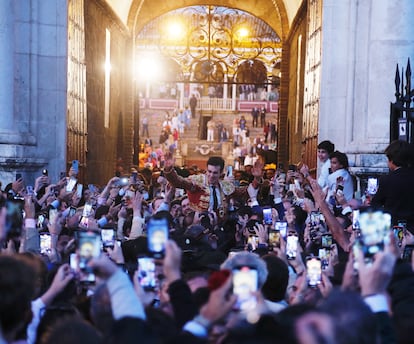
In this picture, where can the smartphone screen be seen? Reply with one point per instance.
(291, 246)
(229, 171)
(72, 211)
(315, 218)
(79, 189)
(372, 186)
(87, 210)
(252, 242)
(267, 216)
(274, 238)
(157, 235)
(45, 243)
(355, 219)
(244, 284)
(89, 246)
(327, 241)
(313, 271)
(146, 273)
(281, 226)
(374, 228)
(71, 184)
(108, 237)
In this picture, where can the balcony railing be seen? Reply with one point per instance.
(208, 104)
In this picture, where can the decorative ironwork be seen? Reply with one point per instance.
(214, 42)
(402, 110)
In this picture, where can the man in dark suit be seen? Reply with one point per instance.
(396, 190)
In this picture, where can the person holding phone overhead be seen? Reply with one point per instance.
(208, 191)
(396, 190)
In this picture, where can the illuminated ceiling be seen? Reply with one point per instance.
(279, 14)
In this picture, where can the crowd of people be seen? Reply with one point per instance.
(258, 254)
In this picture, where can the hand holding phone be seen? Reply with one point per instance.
(245, 283)
(146, 273)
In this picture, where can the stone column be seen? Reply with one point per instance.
(233, 98)
(181, 90)
(6, 64)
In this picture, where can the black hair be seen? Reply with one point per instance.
(327, 145)
(400, 153)
(341, 157)
(216, 161)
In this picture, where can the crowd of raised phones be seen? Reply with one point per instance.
(288, 261)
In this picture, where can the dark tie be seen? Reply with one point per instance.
(215, 199)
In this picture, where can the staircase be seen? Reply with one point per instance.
(195, 150)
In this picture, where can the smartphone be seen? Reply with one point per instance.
(123, 181)
(315, 218)
(340, 190)
(274, 238)
(40, 221)
(267, 216)
(252, 242)
(146, 273)
(71, 184)
(53, 213)
(292, 168)
(18, 176)
(408, 252)
(327, 241)
(45, 243)
(79, 189)
(62, 175)
(75, 166)
(372, 186)
(88, 247)
(157, 236)
(355, 220)
(291, 246)
(45, 172)
(324, 254)
(14, 217)
(229, 171)
(313, 271)
(108, 237)
(87, 210)
(374, 227)
(398, 234)
(281, 226)
(72, 211)
(83, 276)
(245, 282)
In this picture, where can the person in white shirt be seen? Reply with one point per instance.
(340, 175)
(325, 148)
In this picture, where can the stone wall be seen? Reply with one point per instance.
(33, 75)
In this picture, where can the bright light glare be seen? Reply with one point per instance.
(107, 67)
(243, 32)
(176, 30)
(149, 68)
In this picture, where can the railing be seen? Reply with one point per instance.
(209, 104)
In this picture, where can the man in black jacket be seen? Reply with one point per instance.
(396, 190)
